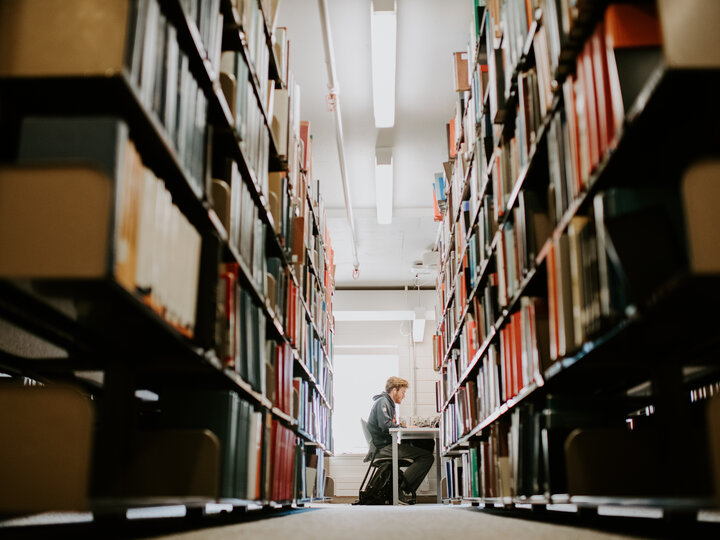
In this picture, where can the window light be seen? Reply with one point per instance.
(383, 26)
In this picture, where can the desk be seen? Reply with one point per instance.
(415, 433)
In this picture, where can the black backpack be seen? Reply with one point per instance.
(379, 489)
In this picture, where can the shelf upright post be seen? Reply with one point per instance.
(116, 431)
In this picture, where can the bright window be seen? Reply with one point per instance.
(357, 379)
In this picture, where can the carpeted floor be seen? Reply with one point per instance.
(421, 522)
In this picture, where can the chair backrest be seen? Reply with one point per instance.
(368, 437)
(366, 431)
(370, 456)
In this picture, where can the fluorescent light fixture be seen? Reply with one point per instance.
(382, 315)
(383, 25)
(384, 185)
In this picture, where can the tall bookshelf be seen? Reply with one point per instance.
(575, 365)
(165, 247)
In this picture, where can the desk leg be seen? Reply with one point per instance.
(438, 469)
(395, 467)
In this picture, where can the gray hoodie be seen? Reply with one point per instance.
(381, 419)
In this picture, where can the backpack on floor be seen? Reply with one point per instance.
(378, 490)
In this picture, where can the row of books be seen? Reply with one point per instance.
(248, 116)
(313, 416)
(281, 365)
(312, 476)
(529, 339)
(505, 167)
(318, 365)
(252, 21)
(276, 281)
(473, 321)
(455, 478)
(610, 70)
(286, 129)
(282, 462)
(136, 38)
(513, 153)
(296, 302)
(594, 271)
(258, 453)
(593, 101)
(520, 241)
(590, 282)
(300, 331)
(209, 21)
(508, 25)
(284, 296)
(295, 223)
(160, 70)
(149, 229)
(240, 329)
(281, 46)
(504, 174)
(316, 297)
(235, 207)
(516, 18)
(83, 178)
(571, 445)
(281, 206)
(451, 424)
(241, 431)
(484, 470)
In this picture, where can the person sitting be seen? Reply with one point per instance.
(380, 421)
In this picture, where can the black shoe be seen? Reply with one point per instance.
(407, 498)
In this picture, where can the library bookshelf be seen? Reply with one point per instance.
(165, 249)
(576, 369)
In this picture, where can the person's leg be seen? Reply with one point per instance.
(416, 472)
(427, 444)
(422, 461)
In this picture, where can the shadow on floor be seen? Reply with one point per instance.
(673, 526)
(120, 528)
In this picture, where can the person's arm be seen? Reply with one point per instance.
(386, 418)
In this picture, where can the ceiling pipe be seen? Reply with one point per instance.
(334, 104)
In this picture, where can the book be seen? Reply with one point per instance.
(688, 45)
(460, 70)
(57, 421)
(144, 236)
(643, 238)
(632, 41)
(217, 411)
(699, 197)
(52, 40)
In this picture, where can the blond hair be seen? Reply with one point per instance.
(395, 382)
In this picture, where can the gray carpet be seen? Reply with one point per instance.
(421, 522)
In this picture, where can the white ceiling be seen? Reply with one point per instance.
(429, 31)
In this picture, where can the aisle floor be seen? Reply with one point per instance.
(420, 522)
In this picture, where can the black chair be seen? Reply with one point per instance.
(376, 461)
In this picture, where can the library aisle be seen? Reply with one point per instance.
(207, 271)
(420, 522)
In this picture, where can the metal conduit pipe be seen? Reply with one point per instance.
(334, 99)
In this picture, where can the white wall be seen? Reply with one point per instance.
(386, 337)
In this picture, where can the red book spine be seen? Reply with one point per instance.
(274, 461)
(517, 321)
